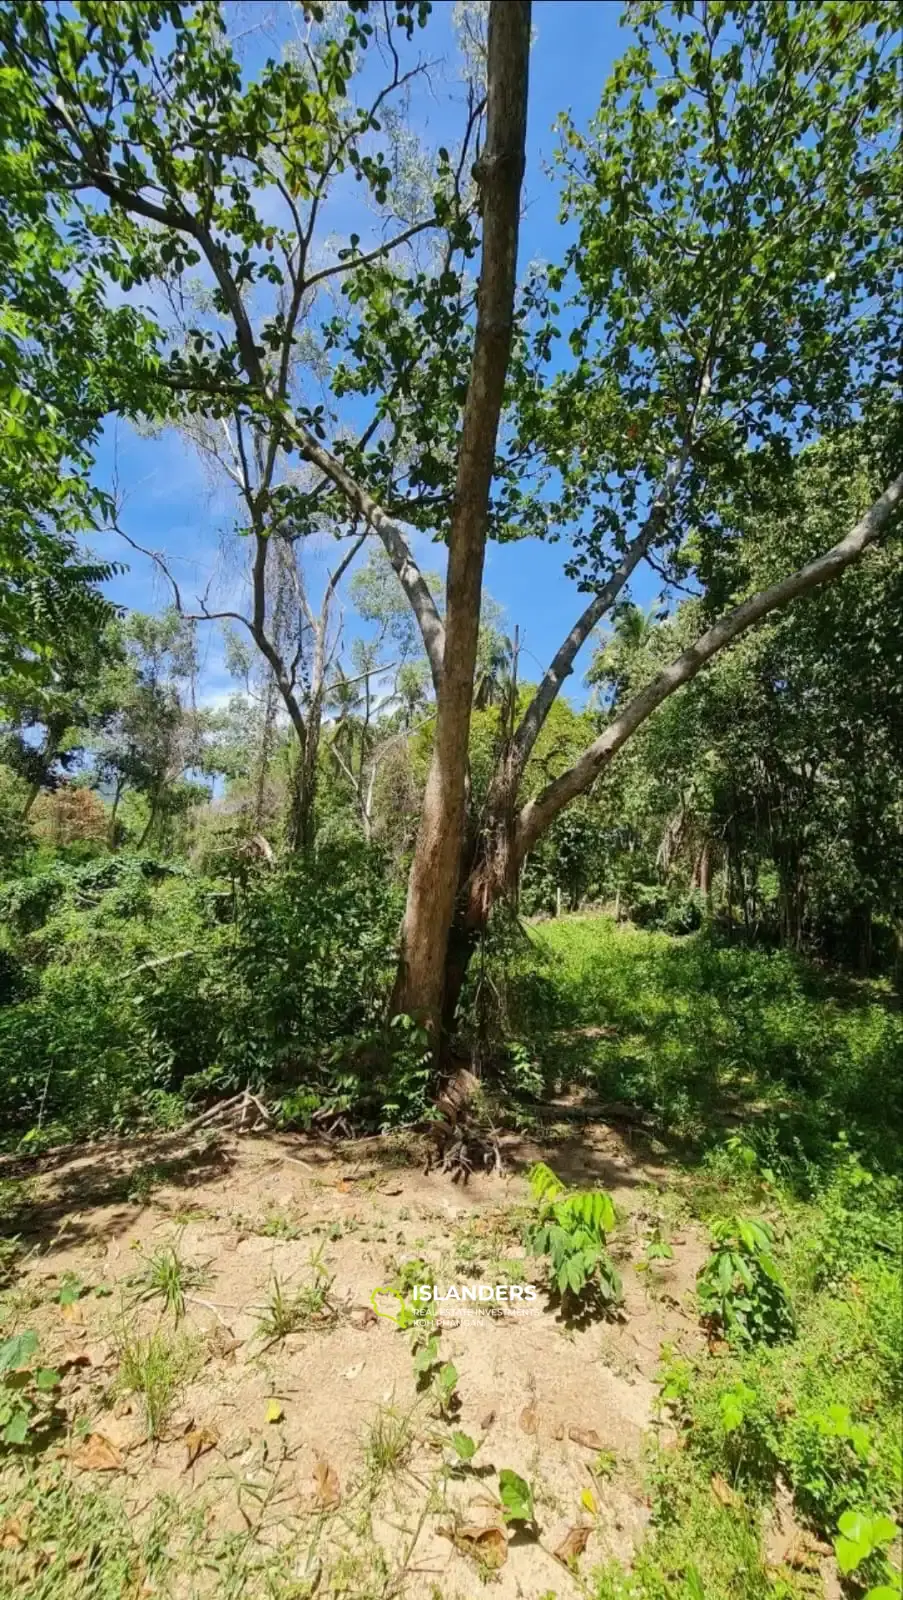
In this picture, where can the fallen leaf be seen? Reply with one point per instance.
(12, 1534)
(587, 1438)
(328, 1493)
(803, 1551)
(487, 1421)
(722, 1491)
(96, 1454)
(353, 1372)
(529, 1420)
(275, 1411)
(197, 1442)
(72, 1312)
(396, 1189)
(573, 1544)
(588, 1502)
(362, 1317)
(223, 1342)
(486, 1545)
(558, 1431)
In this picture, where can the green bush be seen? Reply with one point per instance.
(130, 983)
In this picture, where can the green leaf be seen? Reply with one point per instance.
(15, 1352)
(16, 1429)
(464, 1446)
(850, 1553)
(516, 1497)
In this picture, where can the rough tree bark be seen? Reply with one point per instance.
(435, 870)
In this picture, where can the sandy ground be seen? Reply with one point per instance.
(282, 1425)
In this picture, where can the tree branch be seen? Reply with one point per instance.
(537, 815)
(369, 255)
(392, 535)
(563, 662)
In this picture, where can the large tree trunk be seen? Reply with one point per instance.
(301, 821)
(435, 870)
(507, 837)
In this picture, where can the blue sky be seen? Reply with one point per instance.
(171, 502)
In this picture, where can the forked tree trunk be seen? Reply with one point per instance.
(507, 837)
(435, 870)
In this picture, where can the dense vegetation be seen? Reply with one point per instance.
(397, 842)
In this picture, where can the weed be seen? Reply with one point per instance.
(516, 1497)
(10, 1250)
(740, 1288)
(861, 1543)
(571, 1229)
(277, 1225)
(605, 1465)
(291, 1310)
(26, 1406)
(155, 1368)
(167, 1276)
(388, 1441)
(142, 1183)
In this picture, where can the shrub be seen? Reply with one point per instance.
(740, 1288)
(571, 1230)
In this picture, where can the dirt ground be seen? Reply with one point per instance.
(271, 1433)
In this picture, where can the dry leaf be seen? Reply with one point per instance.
(558, 1431)
(328, 1493)
(396, 1189)
(487, 1545)
(573, 1544)
(72, 1312)
(12, 1534)
(197, 1442)
(803, 1551)
(223, 1342)
(529, 1420)
(586, 1437)
(96, 1454)
(588, 1502)
(487, 1421)
(722, 1490)
(353, 1372)
(362, 1317)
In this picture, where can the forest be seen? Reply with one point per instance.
(451, 799)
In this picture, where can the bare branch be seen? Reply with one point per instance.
(540, 812)
(370, 255)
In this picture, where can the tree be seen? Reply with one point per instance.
(156, 739)
(68, 701)
(730, 295)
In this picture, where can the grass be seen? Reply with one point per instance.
(388, 1442)
(710, 1040)
(685, 1027)
(168, 1277)
(753, 1418)
(155, 1368)
(288, 1310)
